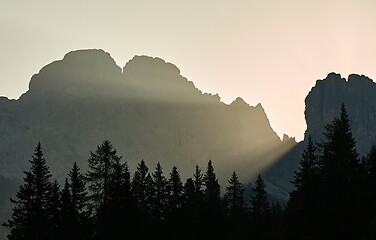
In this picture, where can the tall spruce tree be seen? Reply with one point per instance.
(176, 190)
(175, 204)
(212, 208)
(30, 218)
(260, 211)
(160, 193)
(340, 198)
(301, 209)
(235, 194)
(99, 177)
(100, 168)
(139, 185)
(235, 204)
(67, 226)
(198, 178)
(115, 218)
(78, 192)
(189, 194)
(212, 192)
(78, 202)
(54, 211)
(260, 205)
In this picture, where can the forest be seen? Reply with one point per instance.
(334, 198)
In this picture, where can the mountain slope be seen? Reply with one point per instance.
(357, 93)
(147, 110)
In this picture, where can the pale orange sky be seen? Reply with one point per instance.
(268, 52)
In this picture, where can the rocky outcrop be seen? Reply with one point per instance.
(147, 110)
(324, 101)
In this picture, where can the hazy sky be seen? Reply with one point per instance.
(264, 51)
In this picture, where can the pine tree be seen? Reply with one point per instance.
(303, 202)
(260, 206)
(189, 198)
(100, 169)
(113, 219)
(235, 194)
(176, 190)
(198, 182)
(260, 210)
(369, 164)
(212, 190)
(30, 217)
(306, 177)
(54, 211)
(160, 193)
(175, 204)
(78, 192)
(235, 203)
(78, 202)
(341, 196)
(67, 228)
(139, 185)
(212, 211)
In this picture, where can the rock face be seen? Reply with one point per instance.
(147, 110)
(323, 103)
(357, 93)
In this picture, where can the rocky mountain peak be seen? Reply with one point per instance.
(324, 102)
(78, 74)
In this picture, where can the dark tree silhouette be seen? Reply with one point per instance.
(79, 203)
(175, 204)
(198, 182)
(54, 211)
(68, 222)
(99, 177)
(341, 198)
(176, 190)
(160, 193)
(78, 192)
(30, 217)
(301, 211)
(139, 185)
(260, 210)
(369, 164)
(259, 202)
(100, 169)
(235, 194)
(212, 211)
(212, 192)
(235, 203)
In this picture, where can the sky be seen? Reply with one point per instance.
(264, 51)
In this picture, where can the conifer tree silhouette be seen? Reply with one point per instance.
(339, 170)
(30, 217)
(79, 202)
(301, 213)
(260, 210)
(235, 204)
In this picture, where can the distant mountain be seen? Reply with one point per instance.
(323, 103)
(357, 93)
(147, 110)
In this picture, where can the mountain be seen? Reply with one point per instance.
(146, 109)
(357, 93)
(323, 103)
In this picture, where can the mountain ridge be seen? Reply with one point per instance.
(147, 109)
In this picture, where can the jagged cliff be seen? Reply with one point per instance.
(357, 93)
(147, 110)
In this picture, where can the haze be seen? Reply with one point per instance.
(268, 52)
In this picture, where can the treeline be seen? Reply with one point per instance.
(108, 203)
(334, 198)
